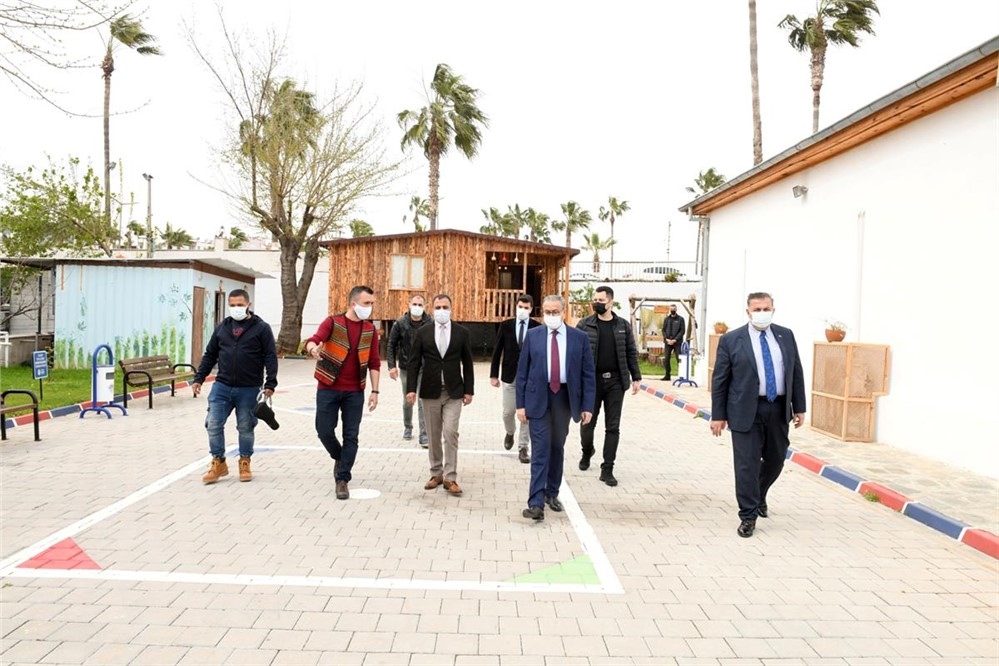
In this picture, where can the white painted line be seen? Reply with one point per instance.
(413, 449)
(308, 581)
(25, 554)
(591, 544)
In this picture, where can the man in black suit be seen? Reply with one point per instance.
(673, 332)
(757, 389)
(509, 341)
(443, 353)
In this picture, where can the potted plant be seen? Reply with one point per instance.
(835, 331)
(721, 327)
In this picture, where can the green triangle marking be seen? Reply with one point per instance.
(576, 571)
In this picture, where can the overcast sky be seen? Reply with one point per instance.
(585, 99)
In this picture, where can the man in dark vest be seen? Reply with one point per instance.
(346, 351)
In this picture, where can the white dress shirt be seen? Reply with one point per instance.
(561, 351)
(775, 355)
(443, 337)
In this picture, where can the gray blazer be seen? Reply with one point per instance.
(735, 384)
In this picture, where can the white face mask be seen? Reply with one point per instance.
(416, 310)
(442, 316)
(523, 314)
(761, 320)
(362, 311)
(237, 312)
(553, 322)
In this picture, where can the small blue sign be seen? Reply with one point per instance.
(40, 364)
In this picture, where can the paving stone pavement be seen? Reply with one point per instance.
(277, 571)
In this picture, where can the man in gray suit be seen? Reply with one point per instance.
(757, 389)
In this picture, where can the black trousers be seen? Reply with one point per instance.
(611, 396)
(669, 352)
(759, 455)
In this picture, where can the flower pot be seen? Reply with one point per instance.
(721, 329)
(835, 335)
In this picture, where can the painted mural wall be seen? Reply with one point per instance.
(136, 311)
(897, 239)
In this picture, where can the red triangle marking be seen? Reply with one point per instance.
(64, 555)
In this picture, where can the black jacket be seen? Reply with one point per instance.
(506, 348)
(241, 360)
(455, 368)
(673, 328)
(401, 339)
(624, 341)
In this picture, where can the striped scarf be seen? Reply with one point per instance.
(333, 353)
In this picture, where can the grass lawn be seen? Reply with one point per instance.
(63, 387)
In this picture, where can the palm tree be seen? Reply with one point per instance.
(835, 22)
(175, 237)
(498, 224)
(576, 219)
(450, 117)
(609, 214)
(539, 226)
(419, 208)
(236, 238)
(127, 31)
(134, 228)
(593, 243)
(754, 78)
(706, 181)
(361, 229)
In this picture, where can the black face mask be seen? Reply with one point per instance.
(600, 308)
(672, 314)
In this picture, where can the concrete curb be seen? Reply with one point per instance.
(27, 419)
(980, 540)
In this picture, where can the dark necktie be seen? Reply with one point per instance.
(768, 367)
(555, 382)
(520, 335)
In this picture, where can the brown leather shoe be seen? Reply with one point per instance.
(218, 469)
(434, 482)
(244, 469)
(452, 487)
(342, 492)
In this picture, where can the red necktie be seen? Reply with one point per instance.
(555, 383)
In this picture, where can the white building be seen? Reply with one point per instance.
(887, 220)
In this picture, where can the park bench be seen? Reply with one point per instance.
(4, 408)
(144, 371)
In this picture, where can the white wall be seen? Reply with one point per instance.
(897, 238)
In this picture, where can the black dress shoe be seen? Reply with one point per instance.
(508, 442)
(524, 456)
(762, 510)
(665, 379)
(584, 462)
(534, 513)
(607, 476)
(554, 504)
(746, 528)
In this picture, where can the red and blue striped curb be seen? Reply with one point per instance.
(978, 539)
(28, 419)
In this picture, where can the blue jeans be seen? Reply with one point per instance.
(221, 401)
(329, 406)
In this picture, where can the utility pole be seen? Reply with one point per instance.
(149, 214)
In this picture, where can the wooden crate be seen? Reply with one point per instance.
(847, 377)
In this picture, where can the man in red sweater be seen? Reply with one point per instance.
(346, 351)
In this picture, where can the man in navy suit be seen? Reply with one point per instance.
(556, 381)
(757, 389)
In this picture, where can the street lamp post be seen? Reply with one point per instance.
(149, 214)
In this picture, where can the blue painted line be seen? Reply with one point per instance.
(934, 519)
(678, 403)
(660, 395)
(9, 423)
(790, 452)
(842, 477)
(63, 411)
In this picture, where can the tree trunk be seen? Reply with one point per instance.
(568, 235)
(612, 239)
(291, 304)
(434, 155)
(108, 66)
(818, 70)
(754, 77)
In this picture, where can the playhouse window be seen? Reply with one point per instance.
(407, 271)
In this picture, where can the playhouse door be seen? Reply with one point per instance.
(197, 327)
